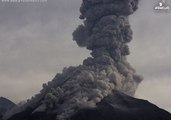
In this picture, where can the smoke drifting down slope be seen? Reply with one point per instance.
(106, 32)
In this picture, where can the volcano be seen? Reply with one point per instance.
(103, 87)
(116, 106)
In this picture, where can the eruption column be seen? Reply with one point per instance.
(106, 32)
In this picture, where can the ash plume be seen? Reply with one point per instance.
(106, 32)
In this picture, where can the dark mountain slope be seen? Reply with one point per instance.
(5, 105)
(119, 106)
(116, 106)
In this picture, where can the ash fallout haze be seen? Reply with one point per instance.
(36, 43)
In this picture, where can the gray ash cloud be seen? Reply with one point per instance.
(106, 32)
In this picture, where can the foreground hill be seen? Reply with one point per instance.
(5, 105)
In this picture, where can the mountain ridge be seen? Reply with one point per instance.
(5, 105)
(116, 106)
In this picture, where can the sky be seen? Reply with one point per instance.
(36, 43)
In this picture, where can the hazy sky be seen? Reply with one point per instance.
(36, 43)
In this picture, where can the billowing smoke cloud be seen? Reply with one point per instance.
(106, 32)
